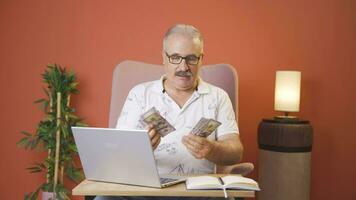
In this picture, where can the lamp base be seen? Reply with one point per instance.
(284, 118)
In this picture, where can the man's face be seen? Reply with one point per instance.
(182, 76)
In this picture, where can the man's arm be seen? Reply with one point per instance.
(226, 151)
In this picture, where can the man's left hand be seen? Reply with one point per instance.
(199, 147)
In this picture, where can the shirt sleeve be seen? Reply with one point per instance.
(226, 115)
(131, 111)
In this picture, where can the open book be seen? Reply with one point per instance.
(225, 182)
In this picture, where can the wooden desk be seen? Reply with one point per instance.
(93, 188)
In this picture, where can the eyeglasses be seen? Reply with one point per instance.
(189, 59)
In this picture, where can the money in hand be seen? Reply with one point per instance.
(162, 126)
(205, 127)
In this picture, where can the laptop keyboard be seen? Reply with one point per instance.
(167, 180)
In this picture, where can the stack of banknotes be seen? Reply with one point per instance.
(152, 117)
(205, 127)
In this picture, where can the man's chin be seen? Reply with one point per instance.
(185, 83)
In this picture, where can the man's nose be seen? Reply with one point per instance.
(183, 66)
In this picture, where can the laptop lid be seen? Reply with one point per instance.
(118, 156)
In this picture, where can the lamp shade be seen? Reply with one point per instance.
(287, 91)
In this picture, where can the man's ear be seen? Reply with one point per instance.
(201, 58)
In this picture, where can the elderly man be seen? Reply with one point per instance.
(183, 98)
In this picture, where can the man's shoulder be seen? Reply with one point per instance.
(214, 89)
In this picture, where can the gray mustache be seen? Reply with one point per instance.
(183, 73)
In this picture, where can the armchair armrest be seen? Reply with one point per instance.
(241, 168)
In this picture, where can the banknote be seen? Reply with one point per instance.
(205, 127)
(198, 127)
(162, 126)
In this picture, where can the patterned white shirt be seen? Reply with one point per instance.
(207, 101)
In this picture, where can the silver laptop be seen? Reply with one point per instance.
(119, 156)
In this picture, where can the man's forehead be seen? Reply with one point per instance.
(183, 43)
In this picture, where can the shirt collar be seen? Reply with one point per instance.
(203, 87)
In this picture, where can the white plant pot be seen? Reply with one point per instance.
(48, 196)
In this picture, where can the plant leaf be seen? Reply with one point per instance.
(26, 133)
(39, 100)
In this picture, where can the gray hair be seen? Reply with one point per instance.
(183, 29)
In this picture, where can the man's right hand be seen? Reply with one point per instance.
(154, 136)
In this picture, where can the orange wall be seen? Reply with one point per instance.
(257, 37)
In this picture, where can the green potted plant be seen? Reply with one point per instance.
(54, 135)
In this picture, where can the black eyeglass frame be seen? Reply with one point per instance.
(185, 58)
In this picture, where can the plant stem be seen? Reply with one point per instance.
(67, 117)
(58, 141)
(49, 150)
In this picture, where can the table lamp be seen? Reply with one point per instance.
(287, 93)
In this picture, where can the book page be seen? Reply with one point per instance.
(240, 182)
(203, 182)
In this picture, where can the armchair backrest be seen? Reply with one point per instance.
(128, 73)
